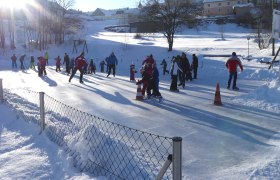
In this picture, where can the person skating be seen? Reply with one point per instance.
(174, 73)
(86, 68)
(92, 67)
(32, 63)
(46, 57)
(102, 64)
(42, 66)
(155, 80)
(71, 65)
(80, 62)
(106, 63)
(66, 61)
(40, 71)
(164, 66)
(112, 63)
(132, 72)
(231, 65)
(146, 81)
(188, 69)
(14, 61)
(194, 65)
(21, 60)
(57, 63)
(184, 64)
(148, 65)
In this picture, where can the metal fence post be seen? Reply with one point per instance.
(177, 158)
(1, 92)
(42, 110)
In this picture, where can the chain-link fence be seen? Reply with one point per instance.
(97, 146)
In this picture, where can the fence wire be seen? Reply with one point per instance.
(97, 146)
(25, 102)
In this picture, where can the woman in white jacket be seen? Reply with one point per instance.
(174, 73)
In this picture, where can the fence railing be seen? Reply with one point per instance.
(98, 146)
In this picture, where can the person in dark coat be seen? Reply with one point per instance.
(188, 69)
(57, 63)
(32, 61)
(92, 67)
(14, 61)
(164, 66)
(156, 92)
(21, 60)
(112, 63)
(183, 63)
(102, 64)
(194, 65)
(66, 61)
(231, 65)
(132, 72)
(107, 65)
(185, 66)
(80, 62)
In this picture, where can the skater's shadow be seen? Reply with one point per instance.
(48, 80)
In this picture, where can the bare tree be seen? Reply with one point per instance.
(12, 32)
(61, 26)
(2, 30)
(167, 15)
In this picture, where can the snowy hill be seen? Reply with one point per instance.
(238, 140)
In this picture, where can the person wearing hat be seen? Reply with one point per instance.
(231, 65)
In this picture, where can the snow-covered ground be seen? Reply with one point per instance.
(238, 140)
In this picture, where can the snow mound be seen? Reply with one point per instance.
(266, 97)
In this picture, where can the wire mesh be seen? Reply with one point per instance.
(97, 146)
(26, 103)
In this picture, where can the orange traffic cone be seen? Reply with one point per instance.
(217, 100)
(139, 95)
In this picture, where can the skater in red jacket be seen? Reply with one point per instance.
(231, 65)
(80, 62)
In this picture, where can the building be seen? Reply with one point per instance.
(124, 15)
(221, 7)
(98, 14)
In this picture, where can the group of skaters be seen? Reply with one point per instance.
(41, 64)
(71, 65)
(21, 60)
(150, 78)
(180, 69)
